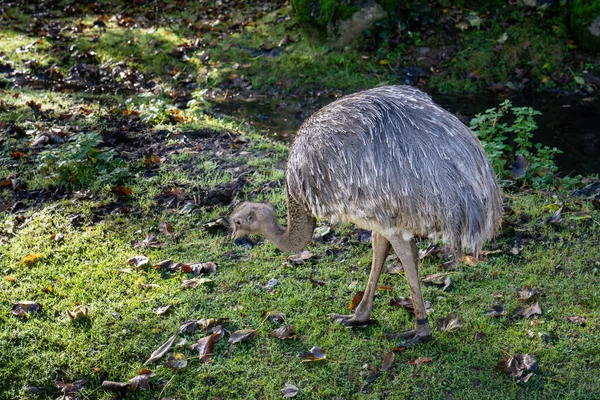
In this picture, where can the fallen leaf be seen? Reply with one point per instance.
(556, 218)
(10, 279)
(193, 283)
(420, 360)
(289, 390)
(148, 242)
(388, 360)
(138, 261)
(527, 311)
(171, 197)
(517, 365)
(441, 280)
(148, 285)
(116, 387)
(205, 346)
(168, 265)
(31, 258)
(78, 312)
(142, 381)
(70, 390)
(161, 351)
(527, 292)
(162, 310)
(385, 288)
(242, 335)
(300, 258)
(470, 260)
(204, 324)
(57, 237)
(431, 249)
(165, 228)
(496, 311)
(121, 191)
(274, 316)
(21, 308)
(407, 304)
(356, 299)
(578, 320)
(285, 332)
(394, 268)
(449, 323)
(314, 354)
(199, 268)
(176, 361)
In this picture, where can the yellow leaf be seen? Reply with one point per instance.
(31, 258)
(10, 279)
(139, 281)
(384, 61)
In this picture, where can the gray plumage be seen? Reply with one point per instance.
(389, 159)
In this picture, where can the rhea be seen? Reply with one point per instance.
(392, 161)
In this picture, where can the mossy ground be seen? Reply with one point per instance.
(215, 161)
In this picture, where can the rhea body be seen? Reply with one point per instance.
(392, 161)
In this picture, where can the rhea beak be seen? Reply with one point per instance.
(234, 233)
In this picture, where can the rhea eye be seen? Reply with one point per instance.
(250, 219)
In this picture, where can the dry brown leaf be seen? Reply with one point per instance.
(289, 390)
(449, 323)
(193, 283)
(161, 351)
(496, 311)
(150, 241)
(527, 292)
(167, 265)
(517, 365)
(420, 360)
(31, 258)
(285, 332)
(117, 387)
(407, 304)
(176, 361)
(199, 268)
(388, 360)
(356, 299)
(577, 320)
(440, 280)
(394, 268)
(205, 346)
(23, 307)
(243, 335)
(165, 228)
(301, 257)
(138, 261)
(142, 381)
(162, 310)
(314, 354)
(78, 312)
(527, 311)
(121, 191)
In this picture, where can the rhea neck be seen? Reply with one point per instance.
(299, 230)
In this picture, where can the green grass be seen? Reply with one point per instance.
(204, 155)
(89, 268)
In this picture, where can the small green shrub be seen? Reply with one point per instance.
(81, 163)
(506, 132)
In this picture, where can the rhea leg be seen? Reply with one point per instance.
(381, 247)
(408, 255)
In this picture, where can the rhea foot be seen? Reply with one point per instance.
(352, 321)
(413, 336)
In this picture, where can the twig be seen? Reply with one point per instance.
(164, 387)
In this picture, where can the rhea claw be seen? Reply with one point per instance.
(351, 321)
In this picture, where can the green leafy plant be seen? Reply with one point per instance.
(506, 132)
(80, 162)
